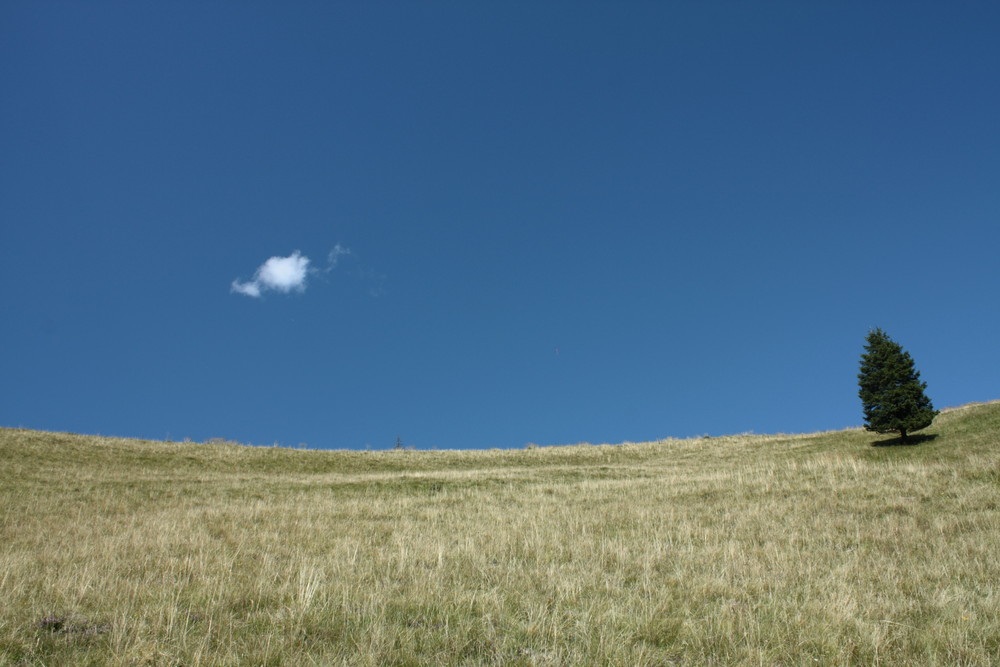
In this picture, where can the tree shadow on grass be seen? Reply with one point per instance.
(909, 442)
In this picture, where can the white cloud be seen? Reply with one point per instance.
(287, 274)
(250, 289)
(281, 274)
(335, 254)
(284, 274)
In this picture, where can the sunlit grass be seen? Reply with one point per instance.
(748, 549)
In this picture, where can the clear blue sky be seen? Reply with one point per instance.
(491, 223)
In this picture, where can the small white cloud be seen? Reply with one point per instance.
(281, 274)
(335, 254)
(250, 289)
(284, 274)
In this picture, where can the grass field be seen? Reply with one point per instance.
(782, 549)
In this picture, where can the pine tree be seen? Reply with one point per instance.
(891, 392)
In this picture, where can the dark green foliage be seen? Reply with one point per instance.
(890, 388)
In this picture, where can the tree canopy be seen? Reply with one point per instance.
(890, 389)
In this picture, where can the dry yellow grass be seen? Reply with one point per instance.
(810, 549)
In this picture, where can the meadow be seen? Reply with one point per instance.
(830, 548)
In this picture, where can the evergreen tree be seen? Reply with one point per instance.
(890, 388)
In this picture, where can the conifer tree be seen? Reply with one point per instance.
(891, 392)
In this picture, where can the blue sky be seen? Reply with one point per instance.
(486, 224)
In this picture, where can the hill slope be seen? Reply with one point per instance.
(764, 549)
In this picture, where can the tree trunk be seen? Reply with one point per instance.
(902, 435)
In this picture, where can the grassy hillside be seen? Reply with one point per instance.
(777, 549)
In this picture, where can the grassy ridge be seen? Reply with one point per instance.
(756, 549)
